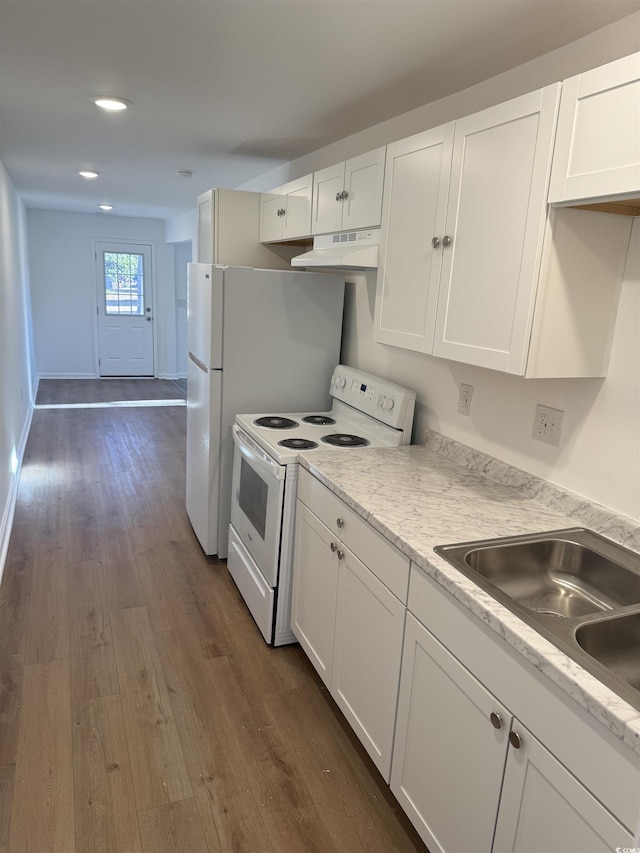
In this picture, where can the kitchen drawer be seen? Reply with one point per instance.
(385, 561)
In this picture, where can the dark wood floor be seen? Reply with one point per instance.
(140, 709)
(51, 391)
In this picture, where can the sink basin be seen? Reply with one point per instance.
(568, 573)
(615, 643)
(578, 589)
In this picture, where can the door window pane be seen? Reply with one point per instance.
(123, 283)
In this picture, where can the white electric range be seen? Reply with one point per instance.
(367, 411)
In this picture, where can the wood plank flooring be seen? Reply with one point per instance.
(140, 709)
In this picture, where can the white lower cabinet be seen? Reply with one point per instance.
(544, 807)
(464, 768)
(347, 620)
(448, 757)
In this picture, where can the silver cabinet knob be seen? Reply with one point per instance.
(435, 242)
(340, 553)
(344, 194)
(148, 319)
(333, 547)
(496, 720)
(338, 196)
(340, 522)
(446, 241)
(515, 740)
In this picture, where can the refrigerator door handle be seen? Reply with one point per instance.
(199, 364)
(258, 457)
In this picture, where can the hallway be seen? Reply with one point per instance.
(140, 709)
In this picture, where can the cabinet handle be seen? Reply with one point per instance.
(515, 740)
(344, 194)
(446, 241)
(338, 196)
(340, 522)
(339, 553)
(435, 242)
(333, 546)
(496, 720)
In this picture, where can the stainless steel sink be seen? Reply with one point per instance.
(615, 643)
(577, 588)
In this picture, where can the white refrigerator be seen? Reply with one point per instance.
(259, 341)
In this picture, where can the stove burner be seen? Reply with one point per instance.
(298, 443)
(343, 439)
(275, 422)
(318, 420)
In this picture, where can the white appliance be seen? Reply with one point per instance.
(254, 337)
(345, 250)
(366, 411)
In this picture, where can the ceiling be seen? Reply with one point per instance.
(230, 89)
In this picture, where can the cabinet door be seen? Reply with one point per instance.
(363, 182)
(597, 152)
(544, 807)
(448, 758)
(414, 209)
(204, 246)
(271, 218)
(297, 220)
(366, 657)
(495, 219)
(327, 208)
(315, 588)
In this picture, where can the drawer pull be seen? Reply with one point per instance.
(333, 547)
(340, 522)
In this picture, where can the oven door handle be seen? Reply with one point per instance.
(260, 459)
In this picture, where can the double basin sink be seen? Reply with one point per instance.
(578, 589)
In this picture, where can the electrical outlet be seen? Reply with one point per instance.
(464, 399)
(547, 425)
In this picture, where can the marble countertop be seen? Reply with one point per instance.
(418, 498)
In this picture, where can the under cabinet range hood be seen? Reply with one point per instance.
(354, 250)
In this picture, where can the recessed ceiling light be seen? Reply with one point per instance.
(105, 206)
(89, 174)
(112, 105)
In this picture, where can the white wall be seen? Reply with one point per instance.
(599, 455)
(16, 384)
(612, 42)
(64, 291)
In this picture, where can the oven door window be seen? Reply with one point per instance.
(256, 505)
(253, 497)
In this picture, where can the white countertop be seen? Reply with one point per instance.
(418, 498)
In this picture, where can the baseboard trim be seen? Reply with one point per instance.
(10, 505)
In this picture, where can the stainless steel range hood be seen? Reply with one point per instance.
(347, 250)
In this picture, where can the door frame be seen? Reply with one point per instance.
(97, 295)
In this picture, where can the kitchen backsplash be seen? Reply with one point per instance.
(620, 528)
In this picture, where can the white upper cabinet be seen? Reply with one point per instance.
(474, 270)
(495, 225)
(348, 196)
(414, 211)
(285, 213)
(597, 152)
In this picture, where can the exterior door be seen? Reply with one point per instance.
(125, 309)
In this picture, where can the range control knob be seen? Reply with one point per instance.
(387, 404)
(340, 381)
